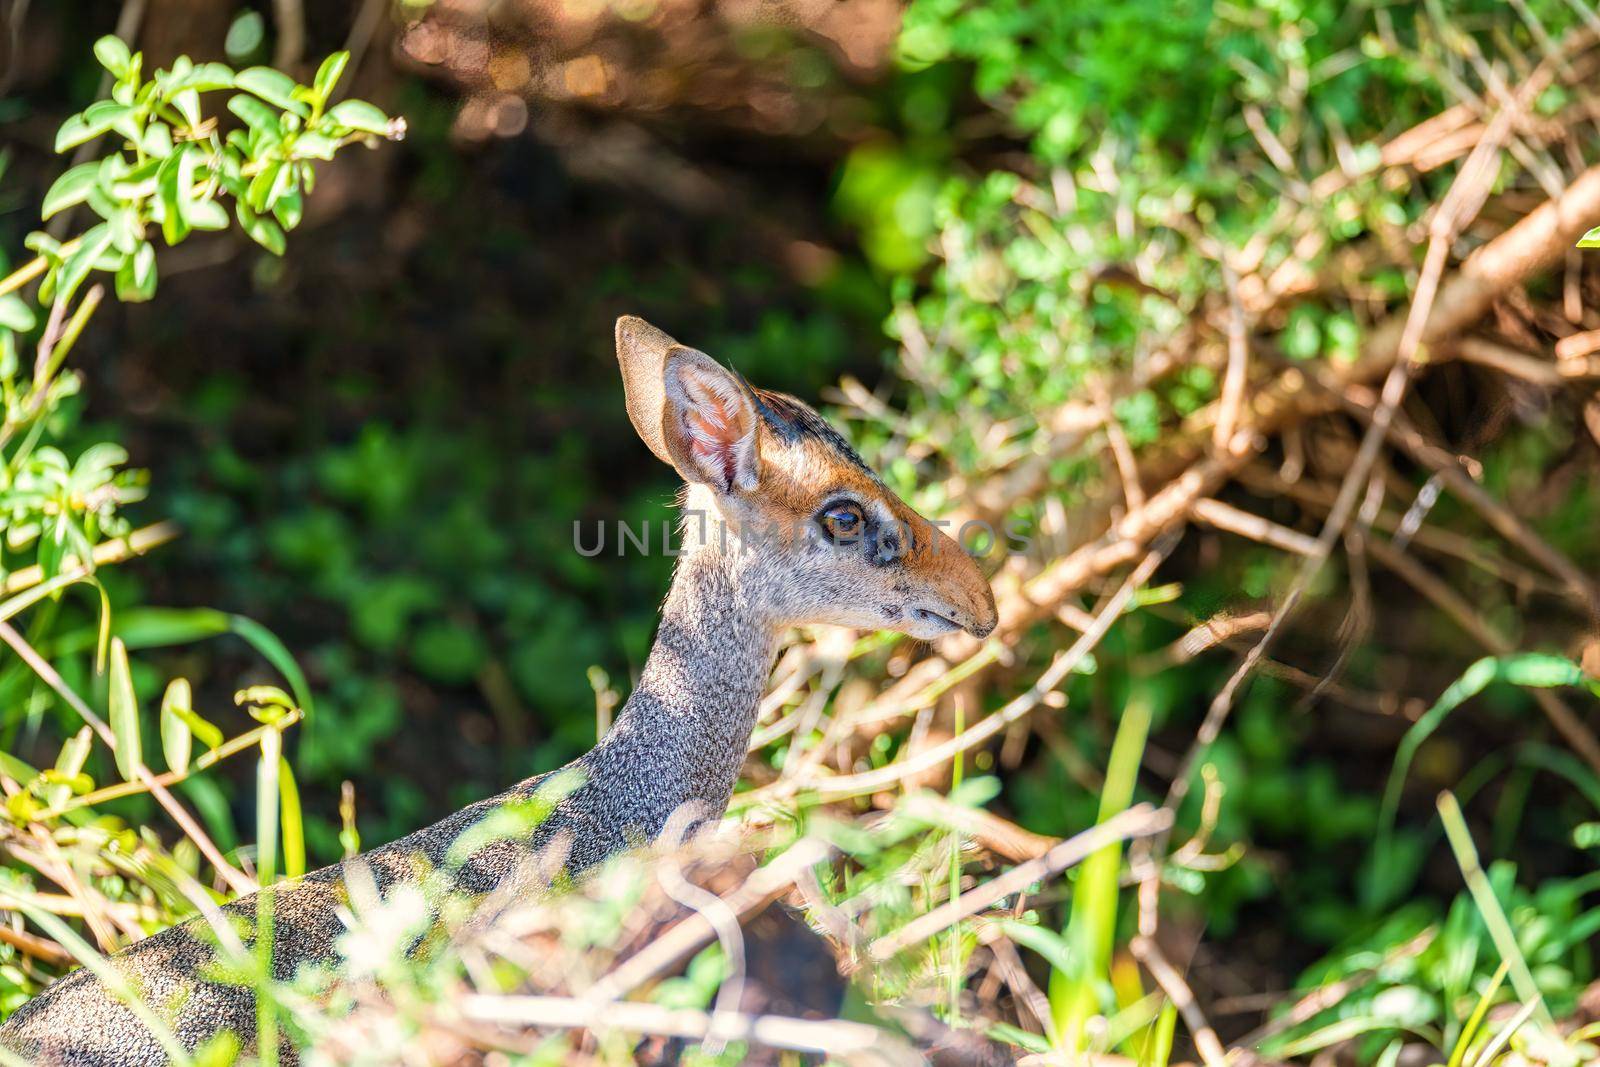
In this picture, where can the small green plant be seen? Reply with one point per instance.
(174, 164)
(167, 169)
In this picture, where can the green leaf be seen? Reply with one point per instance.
(69, 764)
(289, 209)
(15, 314)
(176, 737)
(188, 104)
(124, 713)
(43, 244)
(136, 278)
(256, 115)
(70, 189)
(263, 231)
(117, 116)
(73, 132)
(205, 215)
(158, 140)
(173, 226)
(260, 192)
(313, 145)
(205, 78)
(77, 266)
(208, 733)
(99, 118)
(132, 183)
(1590, 239)
(360, 116)
(1541, 671)
(160, 627)
(294, 833)
(245, 34)
(329, 73)
(275, 87)
(267, 791)
(268, 702)
(199, 212)
(126, 232)
(113, 54)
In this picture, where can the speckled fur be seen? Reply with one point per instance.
(680, 739)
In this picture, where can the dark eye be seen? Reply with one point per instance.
(843, 521)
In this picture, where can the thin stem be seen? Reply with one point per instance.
(25, 274)
(210, 758)
(136, 543)
(53, 356)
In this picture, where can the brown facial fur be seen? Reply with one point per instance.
(803, 470)
(763, 465)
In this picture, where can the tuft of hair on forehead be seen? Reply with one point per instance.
(793, 420)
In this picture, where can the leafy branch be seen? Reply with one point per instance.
(170, 170)
(164, 167)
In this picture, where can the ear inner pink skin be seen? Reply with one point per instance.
(714, 422)
(710, 430)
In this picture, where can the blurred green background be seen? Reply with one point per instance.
(377, 445)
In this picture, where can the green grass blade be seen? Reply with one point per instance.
(1091, 930)
(1536, 670)
(176, 737)
(26, 599)
(294, 833)
(124, 713)
(267, 806)
(1475, 1020)
(1157, 1048)
(1505, 939)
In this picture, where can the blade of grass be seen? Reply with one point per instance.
(1334, 1033)
(954, 988)
(124, 714)
(294, 834)
(1091, 930)
(24, 600)
(267, 776)
(1534, 670)
(176, 737)
(1505, 939)
(1475, 1020)
(1503, 1038)
(268, 790)
(266, 1004)
(1157, 1048)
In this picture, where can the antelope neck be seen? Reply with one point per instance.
(690, 717)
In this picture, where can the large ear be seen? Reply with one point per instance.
(709, 422)
(642, 353)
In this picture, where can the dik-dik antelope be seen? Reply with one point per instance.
(784, 525)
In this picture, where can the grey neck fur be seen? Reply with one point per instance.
(689, 719)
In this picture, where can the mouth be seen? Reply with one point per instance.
(932, 624)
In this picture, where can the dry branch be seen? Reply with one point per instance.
(834, 1037)
(1137, 821)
